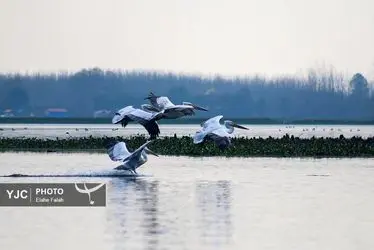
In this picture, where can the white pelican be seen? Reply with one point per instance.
(118, 151)
(171, 111)
(219, 133)
(147, 119)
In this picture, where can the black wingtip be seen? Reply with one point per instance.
(150, 95)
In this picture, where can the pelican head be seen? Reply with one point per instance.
(230, 125)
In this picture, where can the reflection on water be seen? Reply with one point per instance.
(134, 214)
(199, 203)
(214, 202)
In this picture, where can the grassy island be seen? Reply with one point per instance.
(287, 146)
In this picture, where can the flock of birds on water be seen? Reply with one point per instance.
(160, 107)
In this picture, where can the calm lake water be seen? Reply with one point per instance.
(78, 130)
(199, 203)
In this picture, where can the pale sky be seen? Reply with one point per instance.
(227, 37)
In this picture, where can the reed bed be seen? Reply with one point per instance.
(287, 146)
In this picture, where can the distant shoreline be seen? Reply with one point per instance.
(189, 120)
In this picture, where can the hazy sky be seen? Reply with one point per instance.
(268, 37)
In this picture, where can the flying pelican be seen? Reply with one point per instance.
(213, 130)
(171, 111)
(147, 119)
(118, 151)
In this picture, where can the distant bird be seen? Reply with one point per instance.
(213, 130)
(171, 111)
(147, 119)
(118, 151)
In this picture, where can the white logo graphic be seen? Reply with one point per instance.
(88, 191)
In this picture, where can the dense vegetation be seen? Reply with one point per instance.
(242, 147)
(320, 95)
(185, 120)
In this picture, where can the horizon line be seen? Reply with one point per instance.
(298, 74)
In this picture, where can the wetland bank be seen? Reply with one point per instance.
(277, 140)
(286, 146)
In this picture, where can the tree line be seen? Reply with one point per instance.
(319, 95)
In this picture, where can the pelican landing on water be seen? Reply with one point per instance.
(118, 151)
(170, 110)
(147, 119)
(213, 130)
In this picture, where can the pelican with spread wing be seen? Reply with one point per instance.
(147, 119)
(170, 110)
(213, 130)
(118, 151)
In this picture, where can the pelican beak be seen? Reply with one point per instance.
(151, 152)
(239, 126)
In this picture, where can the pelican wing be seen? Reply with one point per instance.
(220, 138)
(220, 132)
(178, 108)
(212, 128)
(118, 152)
(146, 119)
(207, 127)
(159, 102)
(212, 123)
(199, 137)
(150, 108)
(137, 153)
(163, 102)
(120, 114)
(142, 116)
